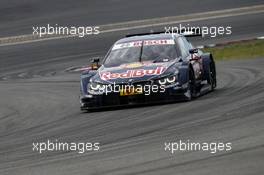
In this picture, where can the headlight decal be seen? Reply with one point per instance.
(94, 86)
(171, 79)
(162, 81)
(168, 80)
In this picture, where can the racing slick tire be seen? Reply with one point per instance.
(211, 80)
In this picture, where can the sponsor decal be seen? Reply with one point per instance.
(132, 73)
(159, 42)
(127, 45)
(145, 43)
(138, 64)
(132, 65)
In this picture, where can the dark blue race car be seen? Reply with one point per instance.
(148, 68)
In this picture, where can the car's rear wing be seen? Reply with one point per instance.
(192, 32)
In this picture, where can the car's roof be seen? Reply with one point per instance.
(147, 37)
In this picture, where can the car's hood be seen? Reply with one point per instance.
(133, 72)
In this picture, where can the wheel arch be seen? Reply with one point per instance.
(184, 73)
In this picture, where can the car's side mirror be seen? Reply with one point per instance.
(193, 51)
(95, 63)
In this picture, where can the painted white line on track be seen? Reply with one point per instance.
(154, 22)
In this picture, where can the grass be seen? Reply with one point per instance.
(242, 50)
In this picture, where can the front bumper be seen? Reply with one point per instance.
(176, 93)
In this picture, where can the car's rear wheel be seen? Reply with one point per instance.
(212, 77)
(191, 89)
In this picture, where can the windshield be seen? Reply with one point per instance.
(152, 50)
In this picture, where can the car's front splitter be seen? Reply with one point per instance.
(114, 99)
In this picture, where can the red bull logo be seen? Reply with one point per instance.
(135, 73)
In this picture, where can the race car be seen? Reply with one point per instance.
(148, 68)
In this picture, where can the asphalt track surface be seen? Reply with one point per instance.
(18, 16)
(39, 101)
